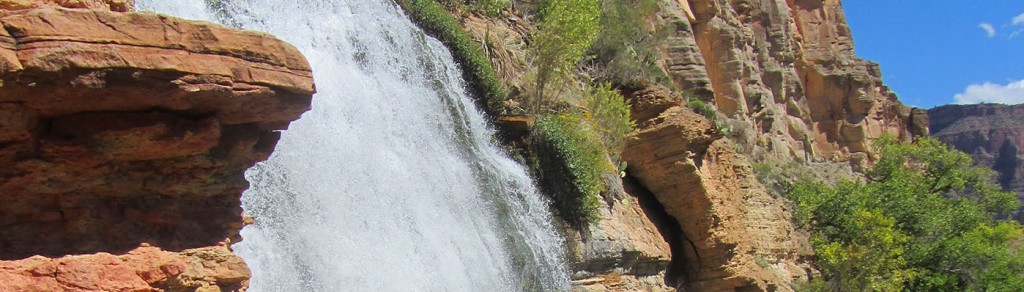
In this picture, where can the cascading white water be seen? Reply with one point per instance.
(392, 181)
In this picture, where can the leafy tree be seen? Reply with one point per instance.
(871, 260)
(567, 30)
(926, 220)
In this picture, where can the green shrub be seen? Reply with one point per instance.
(571, 162)
(477, 69)
(721, 124)
(701, 107)
(567, 30)
(609, 114)
(490, 8)
(625, 50)
(926, 220)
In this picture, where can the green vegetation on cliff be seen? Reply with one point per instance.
(571, 162)
(567, 30)
(581, 127)
(624, 53)
(925, 220)
(491, 8)
(608, 111)
(572, 150)
(477, 70)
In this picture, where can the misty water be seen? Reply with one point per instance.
(392, 182)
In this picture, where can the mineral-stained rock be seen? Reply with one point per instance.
(733, 234)
(993, 134)
(142, 269)
(123, 128)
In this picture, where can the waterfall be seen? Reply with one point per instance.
(392, 182)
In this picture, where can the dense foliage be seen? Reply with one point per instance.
(491, 8)
(925, 220)
(567, 30)
(477, 70)
(624, 52)
(573, 163)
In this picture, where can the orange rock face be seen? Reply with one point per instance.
(142, 269)
(118, 129)
(785, 70)
(110, 5)
(733, 234)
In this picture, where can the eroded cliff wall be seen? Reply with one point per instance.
(786, 71)
(785, 76)
(121, 129)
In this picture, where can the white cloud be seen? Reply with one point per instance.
(989, 29)
(1012, 93)
(1019, 22)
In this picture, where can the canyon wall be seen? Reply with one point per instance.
(993, 134)
(126, 134)
(785, 73)
(731, 233)
(784, 76)
(789, 91)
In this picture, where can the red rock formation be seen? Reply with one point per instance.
(142, 269)
(734, 234)
(119, 129)
(786, 71)
(109, 5)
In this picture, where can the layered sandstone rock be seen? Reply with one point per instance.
(122, 129)
(733, 234)
(626, 249)
(785, 73)
(142, 269)
(109, 5)
(993, 134)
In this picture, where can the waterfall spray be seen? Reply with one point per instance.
(392, 181)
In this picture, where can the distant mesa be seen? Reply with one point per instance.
(991, 133)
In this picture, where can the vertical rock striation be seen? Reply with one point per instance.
(786, 71)
(785, 77)
(732, 234)
(126, 129)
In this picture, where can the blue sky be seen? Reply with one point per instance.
(936, 52)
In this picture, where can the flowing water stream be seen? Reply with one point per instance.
(392, 182)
